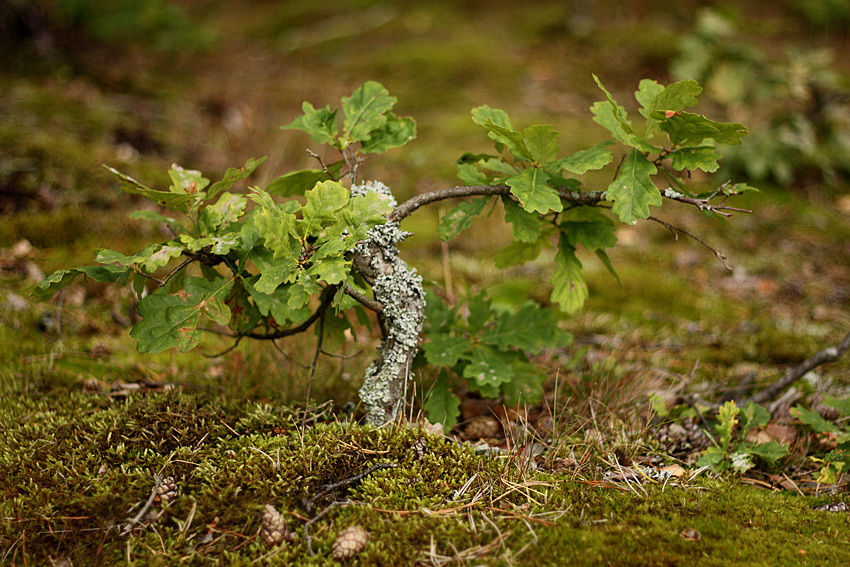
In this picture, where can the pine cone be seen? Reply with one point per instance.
(482, 427)
(829, 413)
(420, 448)
(167, 491)
(350, 542)
(274, 530)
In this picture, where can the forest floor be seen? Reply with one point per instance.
(601, 471)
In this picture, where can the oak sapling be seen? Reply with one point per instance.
(283, 265)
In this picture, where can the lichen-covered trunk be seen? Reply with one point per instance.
(399, 289)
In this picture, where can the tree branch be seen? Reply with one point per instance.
(369, 303)
(588, 198)
(791, 375)
(404, 210)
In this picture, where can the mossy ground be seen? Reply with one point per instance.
(77, 466)
(76, 456)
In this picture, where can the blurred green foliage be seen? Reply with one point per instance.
(794, 103)
(158, 24)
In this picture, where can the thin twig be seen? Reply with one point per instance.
(313, 367)
(179, 267)
(138, 517)
(325, 169)
(326, 301)
(225, 351)
(674, 229)
(307, 537)
(308, 505)
(793, 374)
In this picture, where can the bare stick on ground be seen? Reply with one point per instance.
(793, 374)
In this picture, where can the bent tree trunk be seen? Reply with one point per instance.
(399, 290)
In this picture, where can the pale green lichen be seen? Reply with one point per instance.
(399, 289)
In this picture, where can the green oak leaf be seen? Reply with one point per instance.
(701, 157)
(483, 115)
(175, 201)
(301, 291)
(275, 304)
(50, 286)
(614, 118)
(442, 406)
(226, 211)
(299, 182)
(480, 312)
(499, 166)
(365, 110)
(331, 269)
(445, 350)
(674, 98)
(273, 270)
(687, 129)
(362, 213)
(219, 245)
(569, 289)
(170, 320)
(148, 259)
(754, 415)
(648, 91)
(711, 457)
(320, 125)
(488, 368)
(333, 330)
(593, 235)
(527, 227)
(470, 175)
(633, 191)
(580, 162)
(154, 216)
(514, 140)
(542, 142)
(814, 420)
(606, 261)
(167, 321)
(395, 133)
(460, 218)
(323, 201)
(439, 317)
(526, 387)
(160, 256)
(770, 451)
(209, 297)
(532, 189)
(518, 252)
(529, 328)
(232, 175)
(187, 181)
(276, 226)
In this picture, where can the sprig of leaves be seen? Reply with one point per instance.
(489, 348)
(731, 449)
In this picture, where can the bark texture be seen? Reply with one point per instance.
(399, 289)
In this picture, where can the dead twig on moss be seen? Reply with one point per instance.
(137, 519)
(308, 504)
